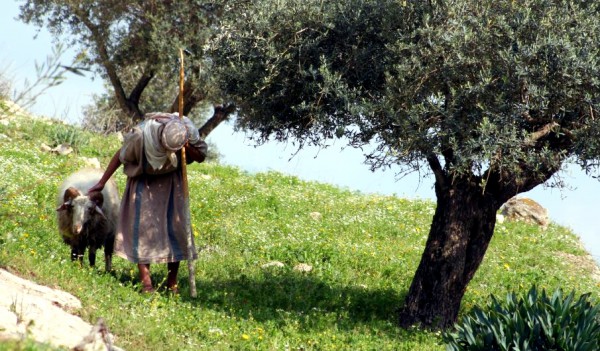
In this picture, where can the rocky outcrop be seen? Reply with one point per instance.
(526, 210)
(29, 310)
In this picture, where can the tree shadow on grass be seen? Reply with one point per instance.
(284, 295)
(270, 296)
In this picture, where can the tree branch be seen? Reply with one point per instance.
(142, 83)
(539, 134)
(220, 115)
(191, 97)
(437, 170)
(126, 105)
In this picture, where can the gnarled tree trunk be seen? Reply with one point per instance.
(462, 227)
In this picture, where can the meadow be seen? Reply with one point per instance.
(363, 250)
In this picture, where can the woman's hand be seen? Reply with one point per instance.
(196, 152)
(98, 187)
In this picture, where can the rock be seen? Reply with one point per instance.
(303, 267)
(99, 339)
(45, 148)
(273, 264)
(499, 218)
(91, 162)
(315, 215)
(62, 149)
(526, 210)
(29, 310)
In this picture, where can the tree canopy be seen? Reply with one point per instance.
(412, 75)
(491, 97)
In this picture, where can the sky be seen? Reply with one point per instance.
(20, 49)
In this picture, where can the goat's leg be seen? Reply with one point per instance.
(92, 256)
(77, 252)
(74, 253)
(108, 251)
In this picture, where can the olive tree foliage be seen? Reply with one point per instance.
(491, 97)
(135, 46)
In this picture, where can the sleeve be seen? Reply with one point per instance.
(196, 152)
(131, 153)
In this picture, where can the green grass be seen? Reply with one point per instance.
(364, 250)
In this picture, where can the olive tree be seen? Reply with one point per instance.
(134, 45)
(490, 97)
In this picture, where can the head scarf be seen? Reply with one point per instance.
(164, 135)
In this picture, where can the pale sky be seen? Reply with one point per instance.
(576, 209)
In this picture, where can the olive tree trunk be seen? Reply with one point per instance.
(462, 227)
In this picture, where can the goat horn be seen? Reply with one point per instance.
(99, 210)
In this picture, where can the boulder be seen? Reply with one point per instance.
(29, 310)
(525, 210)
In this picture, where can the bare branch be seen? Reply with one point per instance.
(221, 114)
(542, 132)
(437, 170)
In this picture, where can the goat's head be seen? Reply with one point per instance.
(81, 207)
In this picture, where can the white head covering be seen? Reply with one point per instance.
(164, 135)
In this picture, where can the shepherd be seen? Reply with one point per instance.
(154, 220)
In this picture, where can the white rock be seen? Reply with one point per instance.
(62, 149)
(273, 264)
(303, 267)
(91, 162)
(526, 210)
(29, 310)
(315, 215)
(499, 218)
(45, 148)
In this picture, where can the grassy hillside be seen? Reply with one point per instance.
(363, 250)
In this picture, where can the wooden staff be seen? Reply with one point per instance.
(186, 190)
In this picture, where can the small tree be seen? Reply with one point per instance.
(48, 74)
(134, 45)
(491, 97)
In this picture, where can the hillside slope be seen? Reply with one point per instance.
(252, 230)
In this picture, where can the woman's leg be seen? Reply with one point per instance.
(173, 268)
(145, 277)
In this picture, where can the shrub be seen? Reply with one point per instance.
(65, 134)
(535, 322)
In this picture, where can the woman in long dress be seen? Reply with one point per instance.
(152, 226)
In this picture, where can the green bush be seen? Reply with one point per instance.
(535, 322)
(69, 135)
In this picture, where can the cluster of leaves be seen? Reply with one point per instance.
(535, 322)
(301, 69)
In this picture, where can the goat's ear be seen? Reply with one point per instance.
(64, 206)
(70, 194)
(97, 198)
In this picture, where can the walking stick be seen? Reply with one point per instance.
(186, 191)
